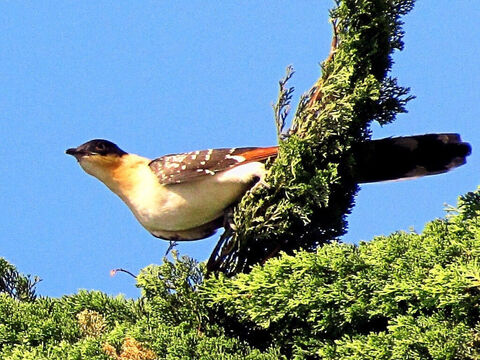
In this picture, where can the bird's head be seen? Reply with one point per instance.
(98, 157)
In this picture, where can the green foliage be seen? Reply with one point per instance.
(46, 326)
(311, 181)
(403, 296)
(16, 285)
(169, 321)
(171, 290)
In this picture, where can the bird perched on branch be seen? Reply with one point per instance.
(185, 196)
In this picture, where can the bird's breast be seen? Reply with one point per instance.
(190, 204)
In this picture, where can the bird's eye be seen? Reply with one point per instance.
(101, 147)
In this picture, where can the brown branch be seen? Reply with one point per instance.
(316, 92)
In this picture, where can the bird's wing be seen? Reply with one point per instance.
(179, 168)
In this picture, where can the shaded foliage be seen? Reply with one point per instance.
(16, 285)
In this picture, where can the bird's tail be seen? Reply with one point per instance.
(409, 157)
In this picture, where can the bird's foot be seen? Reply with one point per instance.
(260, 182)
(171, 246)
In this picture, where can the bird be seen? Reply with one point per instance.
(181, 197)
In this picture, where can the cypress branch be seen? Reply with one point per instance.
(310, 187)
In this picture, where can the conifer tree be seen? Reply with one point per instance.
(16, 285)
(310, 189)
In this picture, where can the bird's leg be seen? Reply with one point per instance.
(228, 222)
(171, 246)
(259, 181)
(226, 243)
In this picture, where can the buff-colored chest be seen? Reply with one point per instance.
(176, 207)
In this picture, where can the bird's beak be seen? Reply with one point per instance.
(78, 154)
(71, 151)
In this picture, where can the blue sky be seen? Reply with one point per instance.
(161, 77)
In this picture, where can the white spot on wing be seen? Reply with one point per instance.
(237, 158)
(243, 173)
(209, 154)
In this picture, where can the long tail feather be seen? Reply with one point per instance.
(409, 157)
